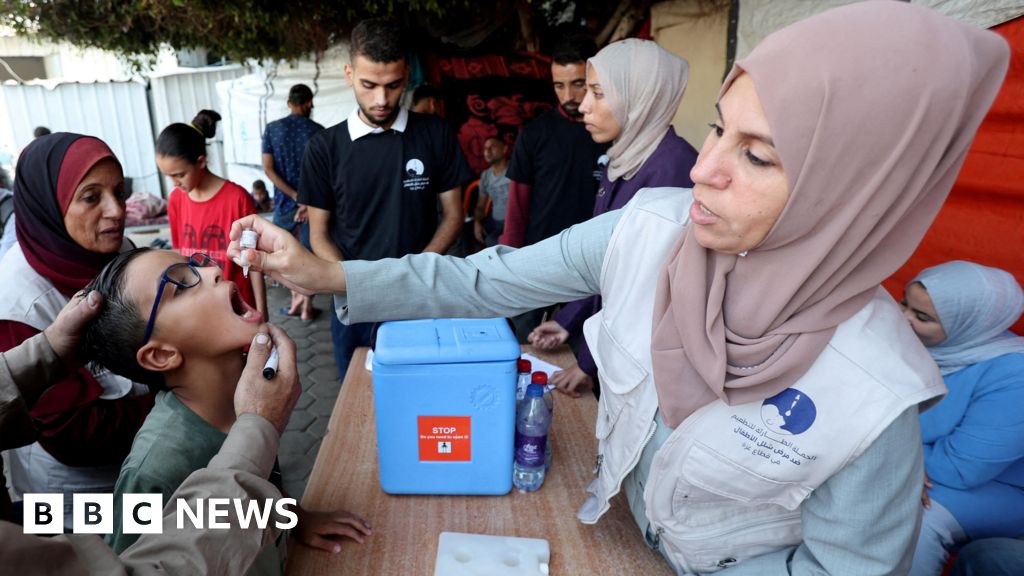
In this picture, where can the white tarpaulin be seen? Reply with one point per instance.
(250, 102)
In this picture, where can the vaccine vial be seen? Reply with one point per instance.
(248, 242)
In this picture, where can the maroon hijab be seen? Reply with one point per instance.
(49, 170)
(872, 108)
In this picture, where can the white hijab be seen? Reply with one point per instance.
(976, 305)
(644, 84)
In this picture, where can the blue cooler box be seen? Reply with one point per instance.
(445, 392)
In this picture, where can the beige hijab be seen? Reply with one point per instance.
(644, 84)
(872, 108)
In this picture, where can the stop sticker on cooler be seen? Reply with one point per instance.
(444, 438)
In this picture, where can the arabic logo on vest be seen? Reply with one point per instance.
(414, 167)
(789, 412)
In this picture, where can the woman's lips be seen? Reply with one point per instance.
(699, 214)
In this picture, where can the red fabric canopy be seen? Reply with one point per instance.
(983, 219)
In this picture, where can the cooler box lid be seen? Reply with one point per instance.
(445, 341)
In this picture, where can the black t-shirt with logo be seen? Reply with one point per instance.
(382, 189)
(557, 157)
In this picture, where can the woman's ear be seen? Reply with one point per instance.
(159, 357)
(201, 162)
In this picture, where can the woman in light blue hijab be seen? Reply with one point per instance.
(973, 438)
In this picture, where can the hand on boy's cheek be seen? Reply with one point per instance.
(323, 530)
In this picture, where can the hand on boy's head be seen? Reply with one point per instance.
(66, 331)
(272, 399)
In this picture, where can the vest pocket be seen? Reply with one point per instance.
(707, 470)
(723, 514)
(620, 374)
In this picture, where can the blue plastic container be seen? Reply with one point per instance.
(444, 392)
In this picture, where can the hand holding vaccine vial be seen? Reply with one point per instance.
(248, 242)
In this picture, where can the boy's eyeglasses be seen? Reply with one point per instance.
(182, 275)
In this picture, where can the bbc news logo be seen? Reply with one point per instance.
(143, 513)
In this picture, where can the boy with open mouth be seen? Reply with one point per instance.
(178, 326)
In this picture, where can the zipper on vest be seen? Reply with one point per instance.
(654, 539)
(647, 440)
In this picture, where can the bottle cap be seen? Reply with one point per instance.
(523, 365)
(535, 391)
(539, 378)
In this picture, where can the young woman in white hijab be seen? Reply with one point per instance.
(760, 391)
(633, 91)
(973, 438)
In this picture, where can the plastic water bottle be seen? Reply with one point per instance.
(550, 401)
(531, 437)
(541, 378)
(523, 367)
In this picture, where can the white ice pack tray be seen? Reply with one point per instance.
(461, 554)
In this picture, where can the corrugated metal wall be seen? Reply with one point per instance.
(179, 96)
(116, 112)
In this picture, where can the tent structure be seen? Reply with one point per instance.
(983, 219)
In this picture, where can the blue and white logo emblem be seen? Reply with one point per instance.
(789, 412)
(414, 167)
(603, 160)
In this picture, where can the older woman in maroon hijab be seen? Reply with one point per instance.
(69, 202)
(760, 391)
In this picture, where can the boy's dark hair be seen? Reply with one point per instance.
(300, 94)
(113, 339)
(188, 141)
(424, 91)
(573, 48)
(379, 40)
(259, 185)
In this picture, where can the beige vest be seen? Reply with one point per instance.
(728, 483)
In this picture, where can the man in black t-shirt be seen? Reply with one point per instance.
(373, 182)
(556, 166)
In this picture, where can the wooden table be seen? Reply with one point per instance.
(406, 528)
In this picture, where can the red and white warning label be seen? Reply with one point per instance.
(444, 438)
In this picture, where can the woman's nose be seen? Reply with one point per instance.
(710, 169)
(113, 207)
(585, 104)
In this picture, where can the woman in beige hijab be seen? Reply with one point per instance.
(760, 391)
(633, 91)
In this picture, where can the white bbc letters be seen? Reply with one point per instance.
(142, 514)
(219, 508)
(93, 513)
(44, 513)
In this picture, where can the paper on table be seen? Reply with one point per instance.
(541, 366)
(369, 360)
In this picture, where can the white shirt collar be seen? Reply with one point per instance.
(357, 128)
